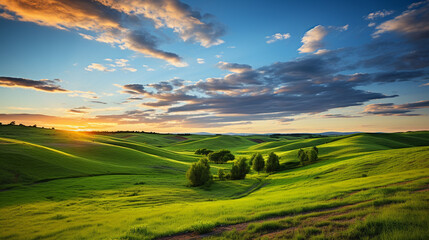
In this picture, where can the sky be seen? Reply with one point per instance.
(242, 66)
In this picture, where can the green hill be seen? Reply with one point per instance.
(65, 185)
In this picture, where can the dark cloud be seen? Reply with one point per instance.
(412, 23)
(79, 110)
(99, 102)
(161, 86)
(390, 109)
(41, 85)
(339, 116)
(134, 89)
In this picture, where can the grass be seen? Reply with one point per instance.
(63, 185)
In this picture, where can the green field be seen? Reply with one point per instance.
(68, 185)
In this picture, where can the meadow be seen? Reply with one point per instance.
(69, 185)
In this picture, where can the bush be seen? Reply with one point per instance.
(221, 174)
(273, 163)
(258, 163)
(239, 169)
(252, 159)
(203, 151)
(221, 156)
(199, 173)
(309, 156)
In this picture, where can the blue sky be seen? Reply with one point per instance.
(177, 69)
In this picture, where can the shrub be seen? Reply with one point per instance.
(221, 174)
(312, 155)
(258, 163)
(273, 163)
(199, 173)
(252, 158)
(203, 151)
(240, 169)
(308, 156)
(221, 156)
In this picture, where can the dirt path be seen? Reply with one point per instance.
(242, 226)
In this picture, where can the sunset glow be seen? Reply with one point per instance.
(215, 66)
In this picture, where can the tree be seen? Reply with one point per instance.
(273, 163)
(203, 151)
(316, 149)
(221, 156)
(240, 169)
(199, 173)
(258, 163)
(308, 156)
(252, 158)
(221, 174)
(312, 155)
(302, 156)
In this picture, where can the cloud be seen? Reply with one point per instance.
(200, 61)
(99, 102)
(121, 23)
(99, 67)
(312, 39)
(390, 109)
(234, 67)
(379, 14)
(277, 37)
(41, 85)
(306, 85)
(417, 4)
(129, 69)
(79, 110)
(338, 116)
(413, 23)
(134, 89)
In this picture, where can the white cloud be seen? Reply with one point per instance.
(312, 39)
(129, 69)
(121, 62)
(371, 24)
(200, 60)
(218, 56)
(379, 14)
(86, 36)
(149, 69)
(277, 37)
(99, 67)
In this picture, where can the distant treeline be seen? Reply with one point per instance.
(13, 123)
(305, 135)
(110, 132)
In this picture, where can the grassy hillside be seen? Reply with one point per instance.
(64, 185)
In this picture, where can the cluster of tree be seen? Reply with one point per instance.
(199, 173)
(221, 156)
(271, 165)
(308, 156)
(203, 151)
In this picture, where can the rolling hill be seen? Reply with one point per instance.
(65, 185)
